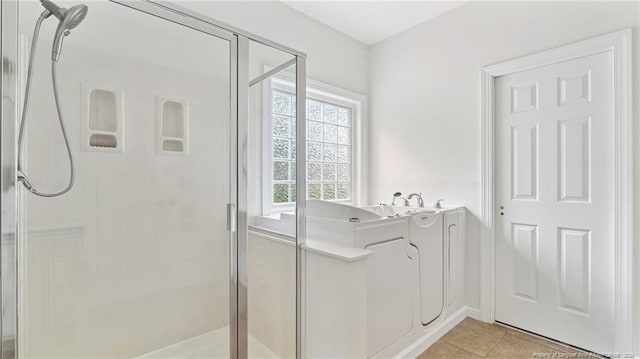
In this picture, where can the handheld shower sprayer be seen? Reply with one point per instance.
(398, 195)
(68, 20)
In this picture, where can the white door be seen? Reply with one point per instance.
(554, 266)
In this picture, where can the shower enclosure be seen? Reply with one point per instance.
(150, 254)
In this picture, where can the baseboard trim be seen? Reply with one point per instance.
(436, 332)
(473, 313)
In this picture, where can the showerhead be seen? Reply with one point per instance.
(74, 16)
(69, 19)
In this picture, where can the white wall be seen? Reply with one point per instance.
(425, 92)
(333, 58)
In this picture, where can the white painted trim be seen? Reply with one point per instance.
(267, 165)
(322, 88)
(487, 200)
(619, 44)
(438, 331)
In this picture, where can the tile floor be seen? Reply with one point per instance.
(472, 339)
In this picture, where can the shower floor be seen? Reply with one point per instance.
(213, 344)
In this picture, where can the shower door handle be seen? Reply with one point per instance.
(231, 217)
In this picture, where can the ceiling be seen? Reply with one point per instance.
(372, 21)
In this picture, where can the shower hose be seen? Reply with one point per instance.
(22, 176)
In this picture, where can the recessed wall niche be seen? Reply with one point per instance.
(103, 116)
(173, 126)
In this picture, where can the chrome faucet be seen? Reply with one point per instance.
(398, 195)
(420, 200)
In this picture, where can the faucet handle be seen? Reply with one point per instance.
(395, 195)
(438, 203)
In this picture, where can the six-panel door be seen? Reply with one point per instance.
(554, 204)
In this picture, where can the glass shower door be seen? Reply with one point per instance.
(272, 173)
(134, 261)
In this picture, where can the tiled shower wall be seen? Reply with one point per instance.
(135, 257)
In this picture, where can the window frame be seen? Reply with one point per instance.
(285, 82)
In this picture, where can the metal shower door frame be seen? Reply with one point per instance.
(238, 201)
(8, 178)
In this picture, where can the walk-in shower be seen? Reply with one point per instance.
(147, 253)
(68, 20)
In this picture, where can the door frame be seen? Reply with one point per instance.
(619, 44)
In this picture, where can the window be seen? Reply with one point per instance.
(283, 147)
(330, 146)
(328, 151)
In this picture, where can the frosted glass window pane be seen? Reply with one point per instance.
(314, 191)
(281, 126)
(330, 113)
(344, 116)
(280, 148)
(330, 152)
(315, 151)
(314, 131)
(344, 172)
(281, 103)
(329, 191)
(329, 143)
(314, 171)
(344, 137)
(280, 193)
(329, 172)
(344, 155)
(314, 111)
(330, 133)
(280, 170)
(344, 191)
